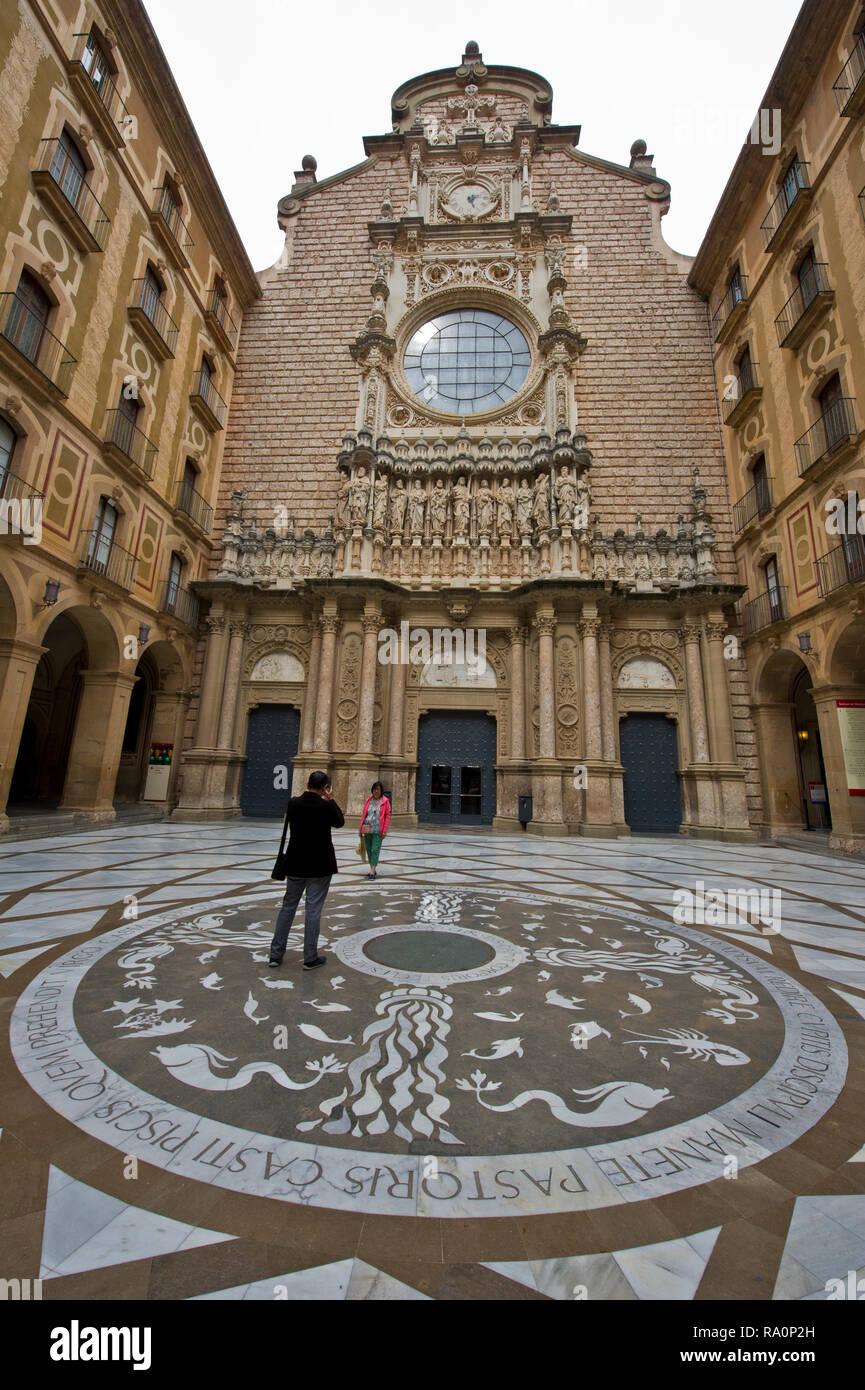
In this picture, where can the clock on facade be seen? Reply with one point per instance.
(470, 201)
(466, 361)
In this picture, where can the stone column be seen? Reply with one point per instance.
(518, 636)
(588, 629)
(18, 662)
(848, 812)
(308, 732)
(330, 627)
(608, 724)
(211, 682)
(690, 635)
(94, 757)
(546, 627)
(371, 623)
(399, 671)
(228, 717)
(718, 692)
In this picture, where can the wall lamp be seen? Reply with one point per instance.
(804, 641)
(52, 589)
(143, 634)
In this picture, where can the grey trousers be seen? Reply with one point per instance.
(316, 892)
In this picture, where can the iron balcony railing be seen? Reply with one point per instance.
(843, 565)
(770, 607)
(757, 502)
(220, 312)
(850, 77)
(15, 489)
(795, 183)
(26, 331)
(737, 294)
(180, 603)
(836, 427)
(745, 382)
(814, 282)
(103, 85)
(107, 559)
(170, 214)
(204, 387)
(146, 297)
(193, 505)
(122, 431)
(55, 160)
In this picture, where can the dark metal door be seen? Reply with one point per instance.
(271, 743)
(649, 750)
(456, 781)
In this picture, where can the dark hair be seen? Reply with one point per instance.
(317, 781)
(378, 784)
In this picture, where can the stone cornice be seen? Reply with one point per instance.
(153, 79)
(812, 39)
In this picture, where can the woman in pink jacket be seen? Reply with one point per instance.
(374, 823)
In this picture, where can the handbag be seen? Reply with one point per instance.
(279, 870)
(360, 848)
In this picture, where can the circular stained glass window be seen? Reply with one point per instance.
(466, 361)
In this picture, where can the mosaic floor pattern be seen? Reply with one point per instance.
(521, 1075)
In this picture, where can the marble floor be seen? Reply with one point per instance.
(531, 1069)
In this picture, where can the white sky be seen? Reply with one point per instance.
(267, 81)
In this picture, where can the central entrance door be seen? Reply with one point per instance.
(271, 743)
(653, 800)
(456, 781)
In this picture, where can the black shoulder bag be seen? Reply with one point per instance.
(279, 870)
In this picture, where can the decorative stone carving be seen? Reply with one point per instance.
(566, 497)
(359, 498)
(398, 504)
(438, 506)
(485, 504)
(541, 502)
(380, 501)
(645, 673)
(417, 508)
(277, 666)
(461, 507)
(507, 501)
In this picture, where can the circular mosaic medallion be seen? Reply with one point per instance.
(464, 1053)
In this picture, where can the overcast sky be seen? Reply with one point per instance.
(267, 81)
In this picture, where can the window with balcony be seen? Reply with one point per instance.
(102, 537)
(831, 400)
(28, 317)
(757, 501)
(731, 308)
(773, 590)
(177, 599)
(168, 221)
(190, 502)
(743, 390)
(96, 62)
(218, 318)
(61, 178)
(205, 398)
(805, 276)
(794, 192)
(8, 442)
(149, 314)
(175, 574)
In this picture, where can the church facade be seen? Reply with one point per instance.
(474, 532)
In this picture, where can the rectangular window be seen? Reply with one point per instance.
(175, 573)
(440, 791)
(103, 535)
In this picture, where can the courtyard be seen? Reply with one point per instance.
(561, 1069)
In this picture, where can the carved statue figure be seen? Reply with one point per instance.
(359, 498)
(584, 497)
(398, 504)
(379, 506)
(462, 507)
(541, 502)
(416, 508)
(438, 507)
(507, 501)
(485, 505)
(342, 503)
(566, 496)
(524, 508)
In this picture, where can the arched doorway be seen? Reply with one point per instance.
(816, 810)
(43, 752)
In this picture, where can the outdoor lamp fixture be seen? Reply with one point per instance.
(804, 641)
(52, 589)
(803, 735)
(143, 634)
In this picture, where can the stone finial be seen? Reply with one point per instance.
(553, 199)
(304, 177)
(640, 159)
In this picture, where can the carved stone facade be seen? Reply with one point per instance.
(443, 427)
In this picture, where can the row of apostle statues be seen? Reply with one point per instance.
(387, 505)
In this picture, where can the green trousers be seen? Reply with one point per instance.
(373, 848)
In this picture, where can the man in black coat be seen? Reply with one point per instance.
(310, 863)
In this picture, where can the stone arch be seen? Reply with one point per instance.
(276, 647)
(644, 671)
(102, 640)
(845, 650)
(775, 676)
(636, 651)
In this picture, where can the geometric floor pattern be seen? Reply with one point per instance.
(524, 1037)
